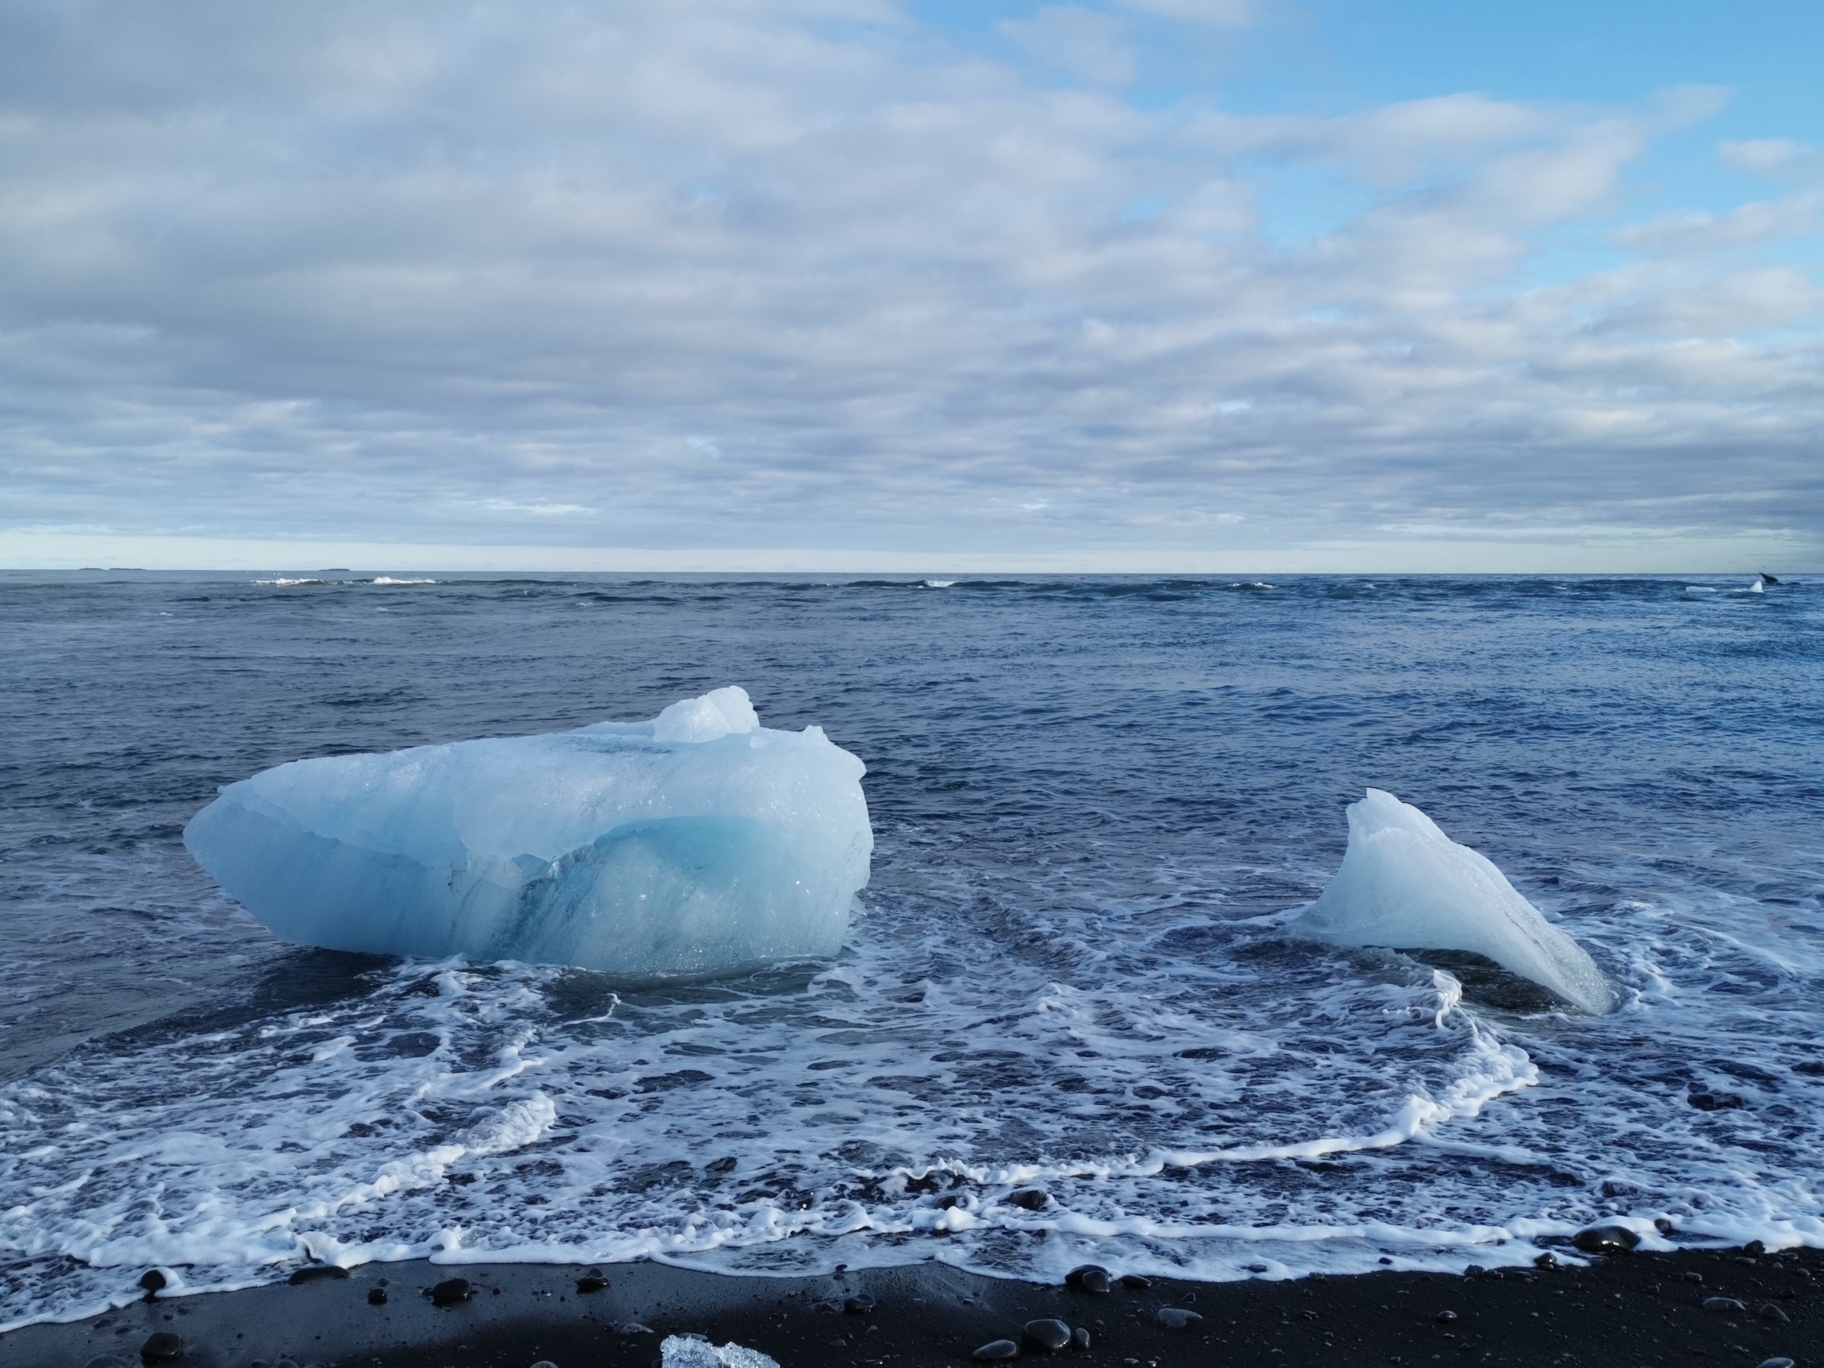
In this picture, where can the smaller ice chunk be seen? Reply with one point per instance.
(718, 713)
(693, 1351)
(1404, 884)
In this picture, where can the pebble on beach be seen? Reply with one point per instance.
(592, 1281)
(162, 1347)
(1177, 1318)
(1605, 1239)
(1091, 1278)
(107, 1361)
(997, 1349)
(451, 1292)
(1079, 1338)
(376, 1296)
(315, 1273)
(153, 1281)
(1723, 1304)
(1050, 1335)
(858, 1305)
(1135, 1282)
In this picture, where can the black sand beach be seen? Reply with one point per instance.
(1623, 1310)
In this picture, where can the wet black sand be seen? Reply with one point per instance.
(1625, 1310)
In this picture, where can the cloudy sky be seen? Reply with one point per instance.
(1196, 284)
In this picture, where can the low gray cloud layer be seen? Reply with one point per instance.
(714, 273)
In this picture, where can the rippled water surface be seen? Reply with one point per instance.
(1068, 984)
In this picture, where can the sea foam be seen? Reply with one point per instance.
(698, 841)
(1404, 884)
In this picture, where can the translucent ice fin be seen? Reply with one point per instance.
(1406, 885)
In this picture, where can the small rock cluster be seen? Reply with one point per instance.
(1050, 1336)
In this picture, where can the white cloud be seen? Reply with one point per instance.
(272, 271)
(1228, 13)
(1084, 42)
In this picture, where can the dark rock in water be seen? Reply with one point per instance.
(1605, 1239)
(1091, 1278)
(163, 1347)
(1771, 1312)
(1050, 1335)
(592, 1281)
(1663, 1224)
(315, 1273)
(1713, 1101)
(997, 1349)
(1031, 1199)
(726, 1165)
(1723, 1304)
(858, 1305)
(1177, 1318)
(1546, 1260)
(451, 1291)
(1135, 1282)
(153, 1281)
(1755, 1249)
(376, 1296)
(1079, 1338)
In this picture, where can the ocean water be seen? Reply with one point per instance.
(1095, 802)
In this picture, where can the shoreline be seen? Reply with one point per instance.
(1630, 1309)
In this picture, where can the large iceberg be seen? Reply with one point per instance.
(1404, 884)
(695, 842)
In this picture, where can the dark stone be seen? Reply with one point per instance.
(858, 1305)
(1445, 1316)
(1711, 1101)
(1546, 1260)
(315, 1273)
(1050, 1335)
(107, 1361)
(1693, 1276)
(1755, 1249)
(1723, 1304)
(1605, 1239)
(163, 1347)
(1777, 1363)
(1135, 1282)
(1031, 1199)
(1474, 1271)
(153, 1281)
(1079, 1338)
(722, 1165)
(451, 1292)
(997, 1349)
(376, 1296)
(1771, 1312)
(1663, 1224)
(1177, 1318)
(592, 1281)
(1092, 1278)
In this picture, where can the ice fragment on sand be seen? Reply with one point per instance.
(1404, 884)
(694, 842)
(692, 1351)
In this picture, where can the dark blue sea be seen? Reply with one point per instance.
(1093, 802)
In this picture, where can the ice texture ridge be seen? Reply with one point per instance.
(1404, 884)
(696, 842)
